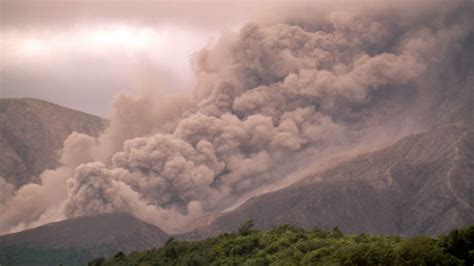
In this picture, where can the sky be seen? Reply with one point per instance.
(81, 53)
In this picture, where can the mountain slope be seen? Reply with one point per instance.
(78, 240)
(31, 133)
(423, 184)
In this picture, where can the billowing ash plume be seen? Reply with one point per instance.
(263, 96)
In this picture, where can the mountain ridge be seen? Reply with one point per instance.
(32, 131)
(81, 238)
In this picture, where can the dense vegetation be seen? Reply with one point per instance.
(43, 256)
(287, 245)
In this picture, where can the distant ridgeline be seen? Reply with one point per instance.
(288, 245)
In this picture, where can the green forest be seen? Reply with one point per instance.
(288, 245)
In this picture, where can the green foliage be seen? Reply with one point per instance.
(460, 243)
(422, 250)
(288, 245)
(40, 256)
(97, 262)
(169, 248)
(119, 255)
(246, 227)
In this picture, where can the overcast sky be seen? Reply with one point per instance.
(81, 53)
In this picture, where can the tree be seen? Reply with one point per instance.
(422, 250)
(246, 227)
(170, 250)
(119, 255)
(459, 243)
(97, 262)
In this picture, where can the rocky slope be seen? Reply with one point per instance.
(31, 133)
(423, 184)
(79, 240)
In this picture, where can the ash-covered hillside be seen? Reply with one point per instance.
(78, 240)
(32, 133)
(423, 184)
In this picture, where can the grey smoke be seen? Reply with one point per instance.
(267, 94)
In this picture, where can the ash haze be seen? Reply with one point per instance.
(81, 53)
(280, 89)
